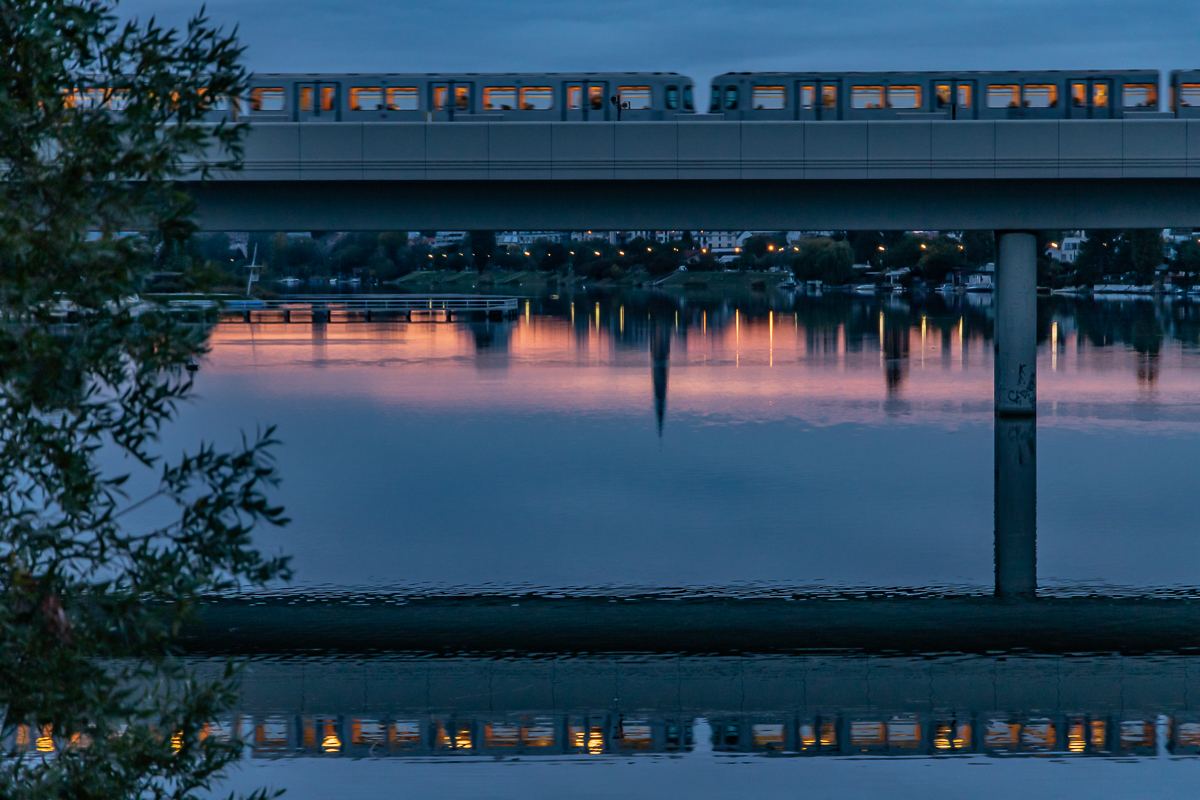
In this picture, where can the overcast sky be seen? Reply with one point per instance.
(701, 37)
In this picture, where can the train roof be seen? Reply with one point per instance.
(958, 72)
(435, 75)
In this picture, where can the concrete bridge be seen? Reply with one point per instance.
(693, 175)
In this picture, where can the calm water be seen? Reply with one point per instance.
(609, 441)
(761, 447)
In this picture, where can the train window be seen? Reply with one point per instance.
(1079, 95)
(306, 98)
(366, 98)
(537, 98)
(866, 97)
(499, 98)
(904, 96)
(768, 98)
(731, 98)
(1189, 94)
(942, 95)
(634, 97)
(574, 98)
(403, 98)
(672, 97)
(964, 95)
(462, 98)
(440, 96)
(1003, 96)
(828, 97)
(715, 106)
(328, 93)
(1140, 95)
(808, 96)
(266, 99)
(596, 98)
(1100, 95)
(687, 98)
(1041, 95)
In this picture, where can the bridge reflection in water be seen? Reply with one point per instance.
(818, 705)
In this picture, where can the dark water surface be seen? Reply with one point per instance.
(609, 441)
(760, 449)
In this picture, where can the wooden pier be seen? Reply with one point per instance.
(358, 308)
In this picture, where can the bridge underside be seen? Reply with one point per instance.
(868, 204)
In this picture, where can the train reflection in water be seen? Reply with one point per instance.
(613, 734)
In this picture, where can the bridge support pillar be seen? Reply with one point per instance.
(1016, 507)
(1016, 323)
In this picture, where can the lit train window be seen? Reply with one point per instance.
(306, 98)
(1189, 94)
(366, 98)
(1003, 96)
(440, 94)
(1100, 95)
(500, 98)
(403, 98)
(462, 98)
(904, 96)
(941, 95)
(808, 96)
(328, 93)
(266, 99)
(637, 97)
(596, 98)
(1041, 96)
(672, 97)
(964, 96)
(537, 98)
(768, 98)
(1140, 95)
(574, 98)
(866, 97)
(687, 98)
(828, 97)
(1079, 95)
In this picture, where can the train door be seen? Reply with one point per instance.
(596, 105)
(806, 100)
(1091, 98)
(573, 101)
(441, 107)
(964, 100)
(827, 100)
(463, 94)
(317, 102)
(955, 99)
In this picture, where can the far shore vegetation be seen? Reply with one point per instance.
(412, 260)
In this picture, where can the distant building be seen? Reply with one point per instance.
(1067, 250)
(718, 241)
(521, 239)
(447, 238)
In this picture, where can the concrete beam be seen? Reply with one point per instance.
(843, 203)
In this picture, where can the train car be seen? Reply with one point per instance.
(937, 95)
(524, 97)
(1185, 93)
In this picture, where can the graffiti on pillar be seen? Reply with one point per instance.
(1025, 392)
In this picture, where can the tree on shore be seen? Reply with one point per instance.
(99, 119)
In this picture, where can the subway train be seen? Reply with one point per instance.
(939, 95)
(654, 96)
(515, 97)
